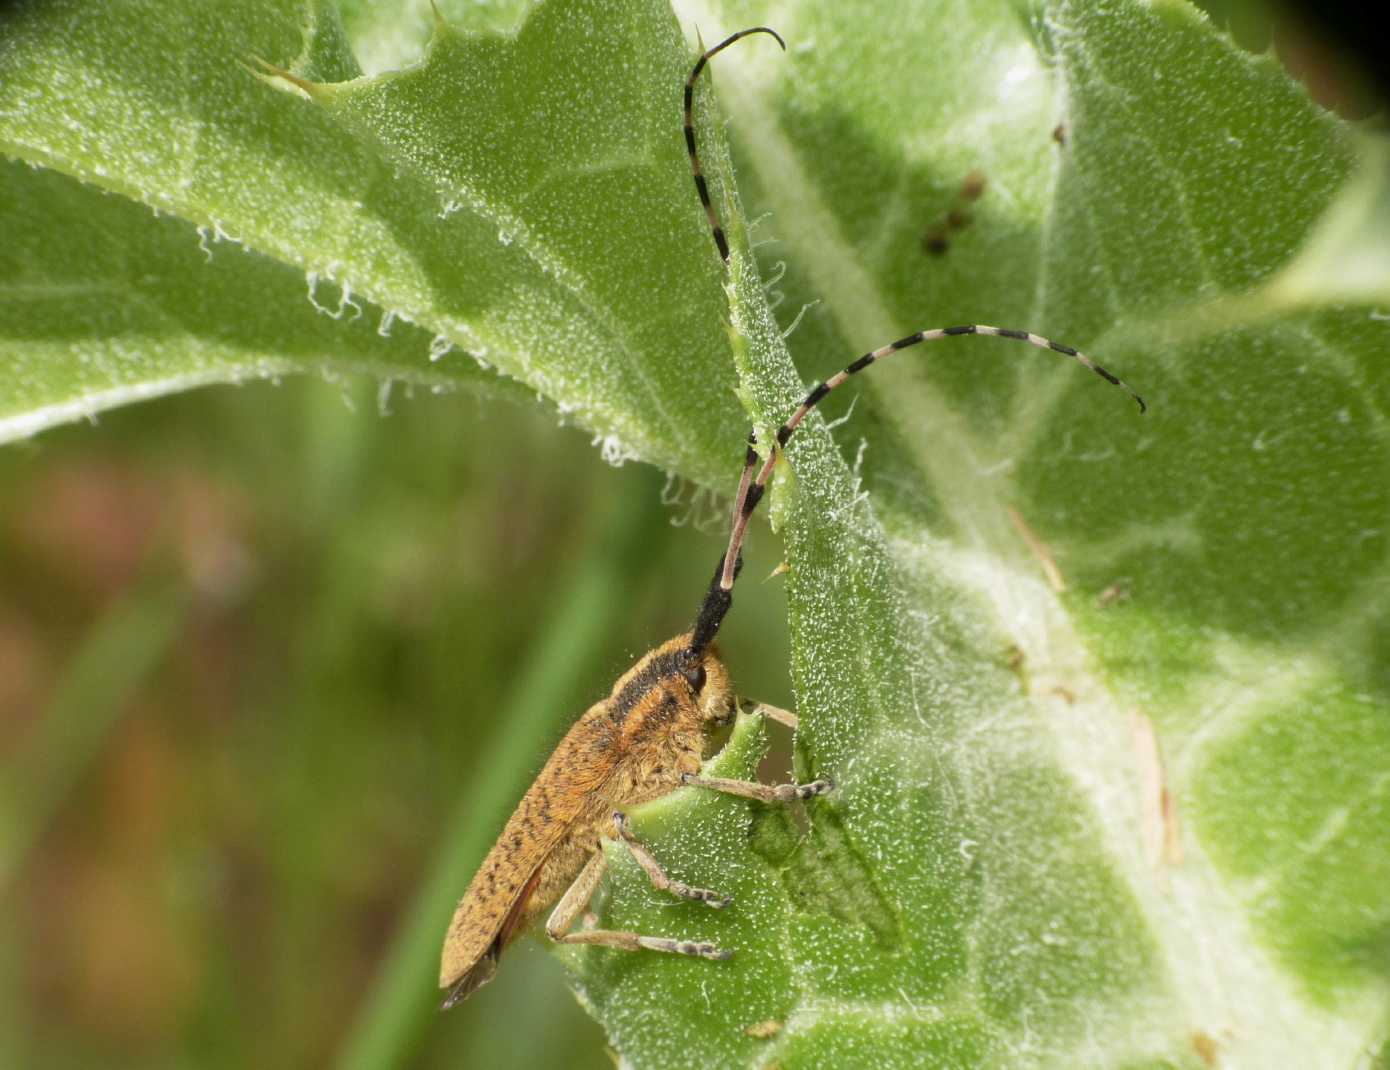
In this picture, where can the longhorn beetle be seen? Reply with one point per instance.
(649, 735)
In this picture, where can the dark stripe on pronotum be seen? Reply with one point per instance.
(635, 689)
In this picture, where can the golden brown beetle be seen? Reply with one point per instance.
(648, 737)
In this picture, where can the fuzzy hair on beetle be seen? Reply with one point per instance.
(652, 733)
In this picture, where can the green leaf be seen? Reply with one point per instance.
(107, 302)
(1020, 906)
(103, 304)
(528, 205)
(994, 882)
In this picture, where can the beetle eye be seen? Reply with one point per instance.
(696, 678)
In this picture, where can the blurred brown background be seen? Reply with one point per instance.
(269, 660)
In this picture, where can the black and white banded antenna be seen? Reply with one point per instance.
(757, 470)
(700, 187)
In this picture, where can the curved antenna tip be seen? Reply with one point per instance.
(769, 30)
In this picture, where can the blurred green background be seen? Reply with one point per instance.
(277, 662)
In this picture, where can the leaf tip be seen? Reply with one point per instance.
(285, 81)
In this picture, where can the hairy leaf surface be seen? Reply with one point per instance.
(1105, 695)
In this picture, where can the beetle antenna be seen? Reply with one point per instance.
(700, 187)
(752, 487)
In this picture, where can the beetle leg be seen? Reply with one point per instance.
(776, 713)
(572, 904)
(576, 897)
(660, 881)
(768, 793)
